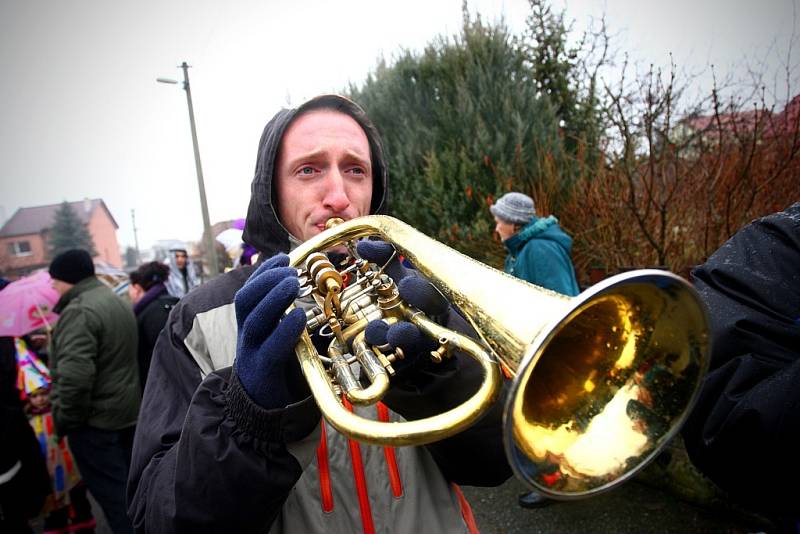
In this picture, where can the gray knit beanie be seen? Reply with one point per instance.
(516, 208)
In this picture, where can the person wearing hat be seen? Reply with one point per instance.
(538, 249)
(539, 253)
(95, 392)
(67, 507)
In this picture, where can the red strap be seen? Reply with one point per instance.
(391, 459)
(360, 480)
(324, 472)
(506, 371)
(466, 510)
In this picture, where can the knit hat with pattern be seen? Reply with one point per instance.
(516, 208)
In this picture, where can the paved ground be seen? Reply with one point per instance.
(634, 507)
(102, 526)
(668, 496)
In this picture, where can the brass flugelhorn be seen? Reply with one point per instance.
(600, 382)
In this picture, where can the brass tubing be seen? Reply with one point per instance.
(417, 432)
(379, 379)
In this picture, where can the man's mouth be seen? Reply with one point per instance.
(321, 225)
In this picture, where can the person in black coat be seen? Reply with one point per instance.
(24, 481)
(744, 432)
(151, 304)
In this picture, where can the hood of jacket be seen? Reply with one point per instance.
(263, 230)
(174, 270)
(539, 228)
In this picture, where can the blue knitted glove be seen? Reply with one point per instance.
(379, 253)
(405, 335)
(413, 288)
(265, 361)
(416, 291)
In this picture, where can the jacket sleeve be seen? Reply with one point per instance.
(206, 458)
(744, 432)
(76, 352)
(475, 456)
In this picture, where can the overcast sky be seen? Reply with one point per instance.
(81, 114)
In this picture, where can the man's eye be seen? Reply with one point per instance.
(357, 170)
(307, 171)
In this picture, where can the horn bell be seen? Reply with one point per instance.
(605, 386)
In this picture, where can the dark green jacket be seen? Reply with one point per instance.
(93, 360)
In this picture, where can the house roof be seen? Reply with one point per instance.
(788, 120)
(743, 120)
(784, 122)
(36, 219)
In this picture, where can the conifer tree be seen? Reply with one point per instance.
(68, 231)
(463, 122)
(568, 73)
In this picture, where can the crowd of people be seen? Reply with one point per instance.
(185, 409)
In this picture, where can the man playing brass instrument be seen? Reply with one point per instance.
(229, 438)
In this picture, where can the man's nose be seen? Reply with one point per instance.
(336, 198)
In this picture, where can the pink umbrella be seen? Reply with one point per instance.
(27, 304)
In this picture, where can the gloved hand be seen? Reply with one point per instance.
(416, 291)
(379, 252)
(265, 361)
(415, 345)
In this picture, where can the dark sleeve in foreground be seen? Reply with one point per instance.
(744, 432)
(23, 495)
(474, 457)
(205, 458)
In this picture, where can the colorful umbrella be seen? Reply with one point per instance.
(27, 304)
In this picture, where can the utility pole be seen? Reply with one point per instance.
(211, 252)
(135, 237)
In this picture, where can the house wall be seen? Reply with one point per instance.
(104, 235)
(14, 266)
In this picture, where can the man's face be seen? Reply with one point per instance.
(323, 170)
(504, 229)
(60, 286)
(180, 259)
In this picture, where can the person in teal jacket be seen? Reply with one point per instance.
(539, 253)
(538, 249)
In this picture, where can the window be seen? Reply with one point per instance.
(20, 248)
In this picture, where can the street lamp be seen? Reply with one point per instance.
(211, 252)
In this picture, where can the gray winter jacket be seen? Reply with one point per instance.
(208, 459)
